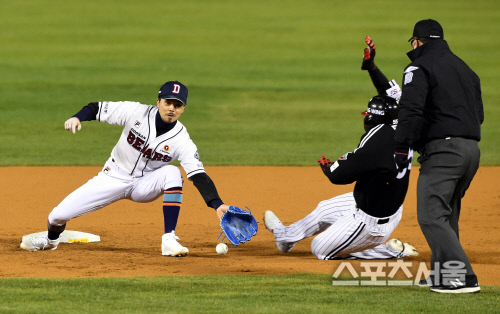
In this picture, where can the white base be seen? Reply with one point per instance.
(69, 236)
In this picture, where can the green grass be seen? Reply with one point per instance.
(223, 294)
(270, 82)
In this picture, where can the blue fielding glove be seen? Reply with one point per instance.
(238, 225)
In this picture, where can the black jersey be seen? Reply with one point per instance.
(379, 190)
(441, 98)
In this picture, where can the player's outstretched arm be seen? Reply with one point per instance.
(378, 78)
(87, 113)
(208, 191)
(369, 56)
(73, 124)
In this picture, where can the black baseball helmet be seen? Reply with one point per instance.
(382, 109)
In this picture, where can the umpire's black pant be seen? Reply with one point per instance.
(447, 168)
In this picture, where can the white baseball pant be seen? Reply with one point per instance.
(111, 185)
(345, 232)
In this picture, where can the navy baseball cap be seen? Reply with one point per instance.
(174, 90)
(427, 29)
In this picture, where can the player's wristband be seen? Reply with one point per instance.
(402, 149)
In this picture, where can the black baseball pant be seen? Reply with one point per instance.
(447, 169)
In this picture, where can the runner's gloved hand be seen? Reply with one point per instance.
(369, 56)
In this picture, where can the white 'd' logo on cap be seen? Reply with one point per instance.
(177, 89)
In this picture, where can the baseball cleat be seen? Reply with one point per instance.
(448, 289)
(409, 250)
(170, 246)
(271, 221)
(403, 249)
(458, 285)
(39, 244)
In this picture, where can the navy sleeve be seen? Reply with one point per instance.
(88, 113)
(207, 189)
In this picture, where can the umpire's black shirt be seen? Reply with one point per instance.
(441, 97)
(379, 192)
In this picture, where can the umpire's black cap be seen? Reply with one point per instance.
(427, 29)
(174, 90)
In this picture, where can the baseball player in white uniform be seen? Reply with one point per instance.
(138, 168)
(355, 225)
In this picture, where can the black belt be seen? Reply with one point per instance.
(383, 221)
(380, 221)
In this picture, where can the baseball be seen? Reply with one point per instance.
(221, 248)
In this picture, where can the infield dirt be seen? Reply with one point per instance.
(131, 232)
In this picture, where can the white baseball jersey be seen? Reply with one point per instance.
(138, 150)
(138, 167)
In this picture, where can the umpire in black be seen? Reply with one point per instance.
(440, 116)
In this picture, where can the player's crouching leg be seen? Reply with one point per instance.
(166, 181)
(151, 186)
